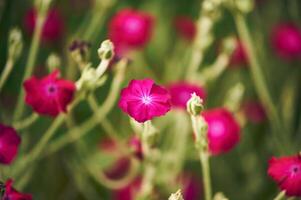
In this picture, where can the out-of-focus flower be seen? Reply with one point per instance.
(223, 130)
(192, 187)
(53, 26)
(129, 192)
(12, 194)
(286, 40)
(239, 56)
(286, 171)
(136, 147)
(254, 111)
(185, 27)
(49, 95)
(9, 144)
(130, 29)
(180, 93)
(143, 100)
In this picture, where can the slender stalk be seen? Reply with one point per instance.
(26, 122)
(260, 84)
(6, 72)
(280, 196)
(204, 157)
(33, 52)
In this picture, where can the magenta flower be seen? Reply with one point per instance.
(254, 111)
(12, 194)
(239, 56)
(286, 171)
(49, 95)
(143, 100)
(129, 192)
(9, 144)
(223, 130)
(286, 40)
(180, 93)
(130, 29)
(53, 27)
(185, 27)
(192, 186)
(136, 147)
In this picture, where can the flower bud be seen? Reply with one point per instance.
(176, 196)
(228, 45)
(53, 62)
(244, 6)
(80, 51)
(194, 105)
(15, 44)
(219, 196)
(106, 50)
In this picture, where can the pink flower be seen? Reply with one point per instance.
(192, 187)
(9, 144)
(254, 111)
(129, 192)
(286, 40)
(53, 27)
(12, 194)
(136, 147)
(185, 27)
(239, 56)
(130, 29)
(180, 93)
(49, 95)
(286, 171)
(143, 100)
(223, 130)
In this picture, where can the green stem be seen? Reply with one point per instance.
(98, 116)
(6, 72)
(26, 122)
(260, 83)
(204, 157)
(33, 51)
(280, 196)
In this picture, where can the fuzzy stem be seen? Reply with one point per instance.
(33, 51)
(280, 196)
(6, 72)
(204, 157)
(260, 83)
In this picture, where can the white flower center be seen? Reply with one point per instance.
(146, 99)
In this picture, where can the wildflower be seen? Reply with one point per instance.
(136, 147)
(286, 40)
(286, 171)
(239, 56)
(143, 100)
(130, 29)
(53, 26)
(9, 144)
(180, 93)
(12, 194)
(223, 130)
(254, 111)
(185, 27)
(192, 186)
(129, 192)
(49, 95)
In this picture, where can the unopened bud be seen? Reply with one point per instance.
(244, 6)
(53, 62)
(15, 44)
(106, 50)
(80, 51)
(194, 105)
(176, 196)
(228, 45)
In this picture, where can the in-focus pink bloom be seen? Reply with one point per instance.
(120, 167)
(239, 56)
(136, 147)
(286, 40)
(130, 29)
(185, 27)
(12, 194)
(192, 187)
(286, 171)
(49, 95)
(180, 93)
(9, 144)
(53, 27)
(223, 130)
(143, 100)
(129, 192)
(254, 111)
